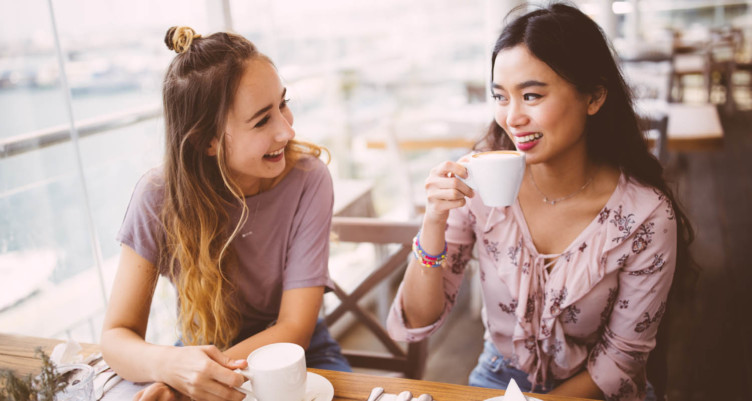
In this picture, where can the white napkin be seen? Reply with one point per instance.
(66, 353)
(513, 392)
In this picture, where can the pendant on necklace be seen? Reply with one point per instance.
(246, 234)
(550, 202)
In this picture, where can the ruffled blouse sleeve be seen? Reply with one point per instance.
(460, 240)
(645, 256)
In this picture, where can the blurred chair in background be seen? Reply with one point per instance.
(409, 362)
(649, 74)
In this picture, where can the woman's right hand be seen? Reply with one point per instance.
(444, 191)
(203, 373)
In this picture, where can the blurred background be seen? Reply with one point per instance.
(391, 88)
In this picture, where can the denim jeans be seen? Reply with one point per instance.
(323, 351)
(493, 371)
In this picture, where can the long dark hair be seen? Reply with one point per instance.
(574, 46)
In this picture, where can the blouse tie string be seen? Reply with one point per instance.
(541, 332)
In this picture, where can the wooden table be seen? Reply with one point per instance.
(353, 198)
(690, 126)
(17, 353)
(425, 143)
(694, 127)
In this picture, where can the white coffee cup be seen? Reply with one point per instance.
(275, 372)
(495, 175)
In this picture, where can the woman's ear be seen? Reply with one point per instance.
(212, 149)
(597, 98)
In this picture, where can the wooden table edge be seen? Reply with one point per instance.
(357, 386)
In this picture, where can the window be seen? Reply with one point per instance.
(73, 145)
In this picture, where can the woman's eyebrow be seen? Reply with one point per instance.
(522, 85)
(258, 113)
(265, 109)
(530, 83)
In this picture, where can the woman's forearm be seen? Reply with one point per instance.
(580, 385)
(131, 357)
(280, 332)
(423, 288)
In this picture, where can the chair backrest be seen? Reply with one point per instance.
(406, 361)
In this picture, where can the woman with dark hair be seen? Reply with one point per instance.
(576, 273)
(238, 218)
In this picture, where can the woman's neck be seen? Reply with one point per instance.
(250, 187)
(561, 178)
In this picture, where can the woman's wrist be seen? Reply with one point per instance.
(431, 237)
(165, 354)
(435, 219)
(425, 258)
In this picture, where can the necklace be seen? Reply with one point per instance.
(255, 210)
(553, 202)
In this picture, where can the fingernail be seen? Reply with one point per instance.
(239, 361)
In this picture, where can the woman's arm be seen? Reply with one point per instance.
(200, 372)
(296, 321)
(423, 287)
(125, 322)
(580, 385)
(646, 260)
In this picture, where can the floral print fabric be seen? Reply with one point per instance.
(595, 306)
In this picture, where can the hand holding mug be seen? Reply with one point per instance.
(496, 175)
(199, 372)
(275, 372)
(444, 192)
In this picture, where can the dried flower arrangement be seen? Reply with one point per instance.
(41, 387)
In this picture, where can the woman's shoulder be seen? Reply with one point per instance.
(640, 196)
(149, 189)
(309, 168)
(635, 208)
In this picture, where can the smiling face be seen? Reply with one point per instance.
(540, 111)
(259, 126)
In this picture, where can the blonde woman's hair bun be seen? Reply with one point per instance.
(179, 38)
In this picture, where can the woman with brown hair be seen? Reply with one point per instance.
(576, 273)
(238, 218)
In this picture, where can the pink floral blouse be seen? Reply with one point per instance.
(598, 308)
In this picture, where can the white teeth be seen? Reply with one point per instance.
(529, 138)
(277, 153)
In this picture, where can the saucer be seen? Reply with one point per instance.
(318, 388)
(501, 398)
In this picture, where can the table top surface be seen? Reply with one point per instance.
(18, 354)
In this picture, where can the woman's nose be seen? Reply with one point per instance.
(285, 131)
(515, 115)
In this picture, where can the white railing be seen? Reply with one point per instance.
(61, 133)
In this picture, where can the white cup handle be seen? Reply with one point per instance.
(469, 180)
(247, 374)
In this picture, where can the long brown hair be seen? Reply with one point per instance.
(197, 94)
(574, 46)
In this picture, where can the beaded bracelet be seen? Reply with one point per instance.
(426, 259)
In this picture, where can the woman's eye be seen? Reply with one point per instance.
(262, 122)
(284, 103)
(531, 96)
(498, 97)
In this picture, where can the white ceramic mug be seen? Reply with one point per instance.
(275, 372)
(496, 175)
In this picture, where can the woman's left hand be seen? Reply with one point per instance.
(159, 392)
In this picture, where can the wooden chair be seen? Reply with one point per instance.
(409, 362)
(650, 78)
(657, 365)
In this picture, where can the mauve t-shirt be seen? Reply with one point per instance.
(284, 243)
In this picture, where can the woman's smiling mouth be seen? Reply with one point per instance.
(528, 140)
(275, 156)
